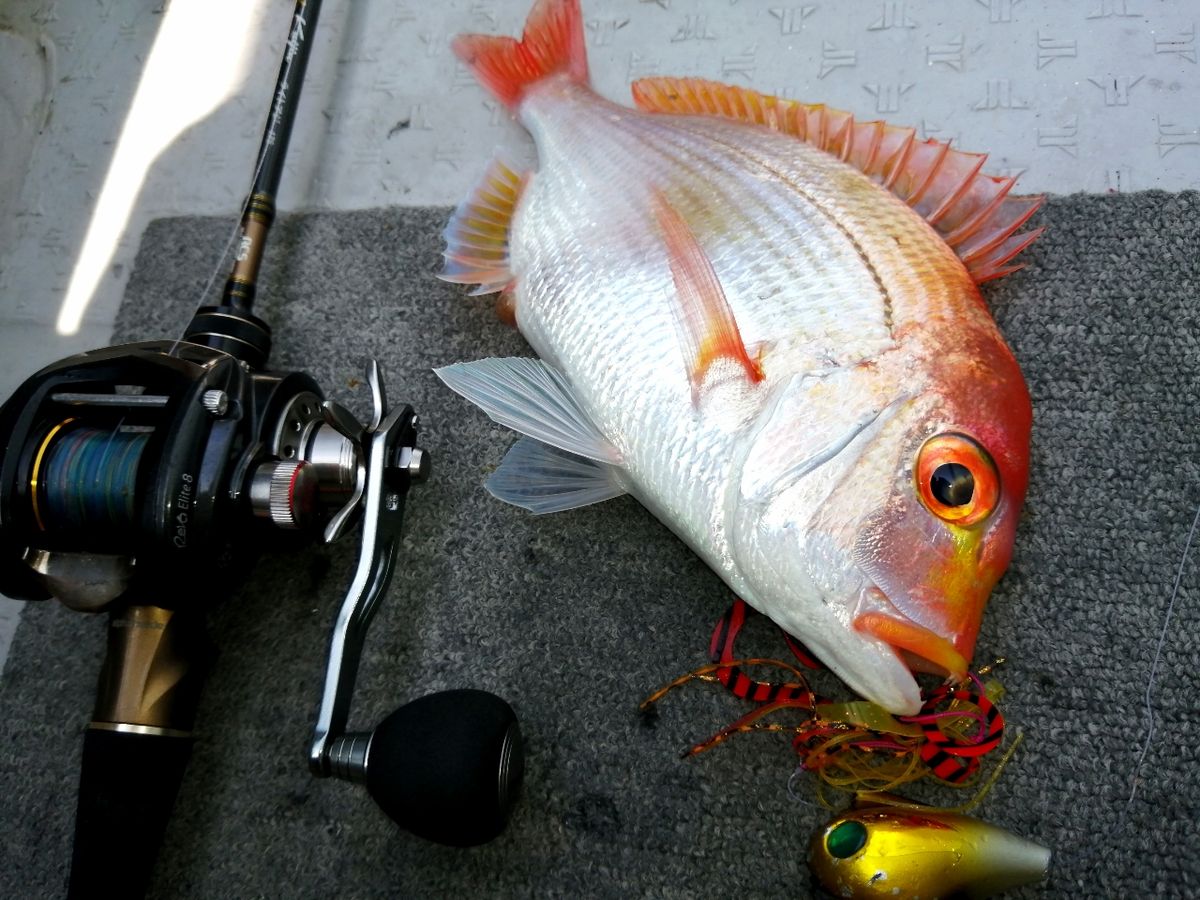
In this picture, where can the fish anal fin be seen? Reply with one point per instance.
(945, 186)
(706, 326)
(478, 232)
(545, 479)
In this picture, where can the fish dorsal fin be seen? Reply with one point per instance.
(477, 235)
(972, 211)
(704, 319)
(531, 397)
(545, 479)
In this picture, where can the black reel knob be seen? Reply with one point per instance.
(447, 766)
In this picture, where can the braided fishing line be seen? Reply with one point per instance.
(1158, 650)
(90, 479)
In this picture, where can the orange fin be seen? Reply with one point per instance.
(477, 234)
(971, 210)
(706, 324)
(552, 43)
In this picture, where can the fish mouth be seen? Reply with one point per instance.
(919, 648)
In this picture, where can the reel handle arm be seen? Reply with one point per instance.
(446, 766)
(383, 514)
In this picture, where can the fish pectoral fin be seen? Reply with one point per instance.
(704, 319)
(969, 209)
(477, 234)
(532, 397)
(545, 479)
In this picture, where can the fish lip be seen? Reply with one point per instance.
(919, 647)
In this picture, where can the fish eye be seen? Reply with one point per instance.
(956, 479)
(952, 484)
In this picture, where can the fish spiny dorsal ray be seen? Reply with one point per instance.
(972, 211)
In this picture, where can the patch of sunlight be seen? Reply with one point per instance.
(201, 53)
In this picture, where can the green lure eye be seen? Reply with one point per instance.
(846, 839)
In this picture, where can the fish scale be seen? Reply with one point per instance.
(768, 346)
(626, 361)
(829, 274)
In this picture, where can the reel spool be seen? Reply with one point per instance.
(85, 478)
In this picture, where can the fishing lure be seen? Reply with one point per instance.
(853, 746)
(908, 851)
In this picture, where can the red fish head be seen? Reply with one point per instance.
(877, 508)
(935, 550)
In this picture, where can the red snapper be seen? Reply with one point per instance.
(761, 319)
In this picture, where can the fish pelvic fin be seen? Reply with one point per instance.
(552, 43)
(972, 211)
(477, 234)
(707, 329)
(532, 397)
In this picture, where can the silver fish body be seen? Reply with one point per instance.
(797, 488)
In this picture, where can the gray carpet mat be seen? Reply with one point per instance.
(574, 618)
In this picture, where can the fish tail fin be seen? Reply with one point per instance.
(551, 44)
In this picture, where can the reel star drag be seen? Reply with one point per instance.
(137, 480)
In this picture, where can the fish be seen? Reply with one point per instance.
(761, 319)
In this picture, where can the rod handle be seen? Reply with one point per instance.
(127, 788)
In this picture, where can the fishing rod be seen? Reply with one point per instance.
(137, 480)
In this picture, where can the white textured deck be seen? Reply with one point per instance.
(1090, 95)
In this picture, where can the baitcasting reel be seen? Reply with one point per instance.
(139, 480)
